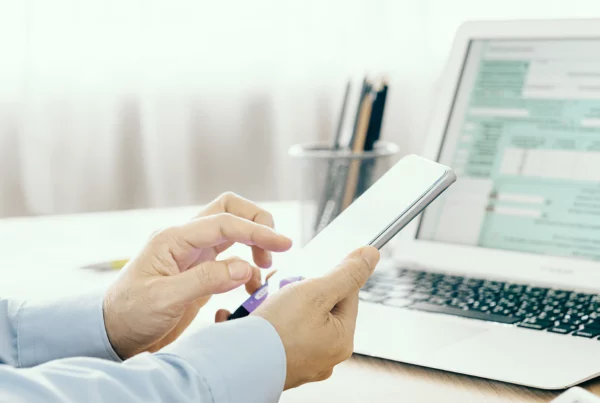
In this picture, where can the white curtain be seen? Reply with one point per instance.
(110, 104)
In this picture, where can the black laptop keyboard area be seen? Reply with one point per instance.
(543, 309)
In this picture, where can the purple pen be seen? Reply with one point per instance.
(258, 297)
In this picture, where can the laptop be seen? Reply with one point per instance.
(500, 277)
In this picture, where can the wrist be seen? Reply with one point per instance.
(111, 326)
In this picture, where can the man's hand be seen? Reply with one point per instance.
(316, 318)
(159, 292)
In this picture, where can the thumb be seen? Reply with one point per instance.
(211, 277)
(350, 275)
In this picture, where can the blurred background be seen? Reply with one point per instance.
(124, 104)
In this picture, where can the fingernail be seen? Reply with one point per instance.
(371, 255)
(239, 270)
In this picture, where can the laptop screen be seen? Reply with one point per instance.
(524, 140)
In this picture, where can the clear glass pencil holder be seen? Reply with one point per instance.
(329, 180)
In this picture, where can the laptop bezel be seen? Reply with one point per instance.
(570, 273)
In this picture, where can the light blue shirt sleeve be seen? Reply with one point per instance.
(237, 361)
(40, 331)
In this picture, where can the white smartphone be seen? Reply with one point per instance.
(372, 219)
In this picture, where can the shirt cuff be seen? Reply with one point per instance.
(241, 360)
(70, 327)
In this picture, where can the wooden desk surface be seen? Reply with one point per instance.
(366, 379)
(58, 242)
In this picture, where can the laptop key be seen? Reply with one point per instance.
(571, 320)
(535, 324)
(453, 279)
(593, 323)
(438, 300)
(482, 308)
(562, 329)
(558, 294)
(419, 296)
(587, 332)
(472, 282)
(498, 309)
(449, 310)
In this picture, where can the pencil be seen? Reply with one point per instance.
(357, 148)
(367, 167)
(108, 265)
(374, 131)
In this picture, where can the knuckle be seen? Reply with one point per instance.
(267, 218)
(224, 220)
(225, 216)
(227, 197)
(164, 235)
(153, 234)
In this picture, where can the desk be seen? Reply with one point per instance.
(41, 258)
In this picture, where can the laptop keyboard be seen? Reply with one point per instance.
(543, 309)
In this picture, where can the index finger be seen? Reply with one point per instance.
(234, 204)
(217, 229)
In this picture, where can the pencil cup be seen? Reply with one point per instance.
(332, 179)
